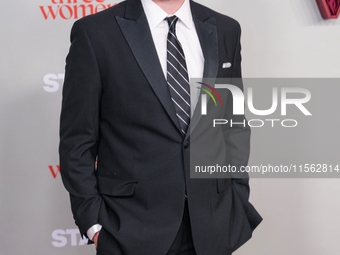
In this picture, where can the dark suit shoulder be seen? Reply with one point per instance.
(202, 12)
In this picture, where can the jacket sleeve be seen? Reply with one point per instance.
(237, 139)
(79, 129)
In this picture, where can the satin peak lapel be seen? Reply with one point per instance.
(135, 28)
(207, 34)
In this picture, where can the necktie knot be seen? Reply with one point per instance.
(172, 23)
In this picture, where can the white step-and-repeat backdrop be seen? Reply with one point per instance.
(280, 39)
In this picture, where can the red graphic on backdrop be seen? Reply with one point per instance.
(330, 9)
(72, 9)
(54, 172)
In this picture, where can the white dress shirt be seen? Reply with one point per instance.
(187, 35)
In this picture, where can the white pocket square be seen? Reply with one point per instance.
(226, 65)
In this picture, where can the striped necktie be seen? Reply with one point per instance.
(177, 76)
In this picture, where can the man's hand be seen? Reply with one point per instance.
(95, 238)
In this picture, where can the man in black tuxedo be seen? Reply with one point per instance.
(118, 109)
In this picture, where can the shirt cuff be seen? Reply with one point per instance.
(93, 230)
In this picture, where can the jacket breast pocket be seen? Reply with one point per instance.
(115, 186)
(225, 70)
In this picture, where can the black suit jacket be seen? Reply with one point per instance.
(117, 108)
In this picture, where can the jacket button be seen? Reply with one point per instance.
(186, 144)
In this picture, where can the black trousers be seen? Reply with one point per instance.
(183, 244)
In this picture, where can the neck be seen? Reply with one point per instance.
(169, 6)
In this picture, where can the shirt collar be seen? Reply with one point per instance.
(156, 15)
